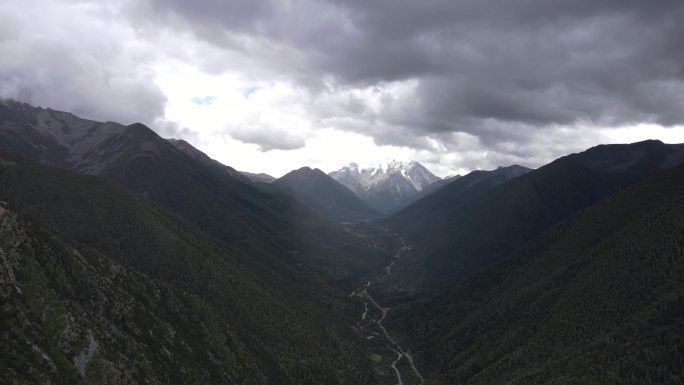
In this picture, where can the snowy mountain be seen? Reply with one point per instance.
(386, 187)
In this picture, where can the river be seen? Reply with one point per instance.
(393, 345)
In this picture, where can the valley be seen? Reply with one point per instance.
(128, 258)
(334, 192)
(367, 326)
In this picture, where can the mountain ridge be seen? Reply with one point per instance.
(453, 238)
(598, 298)
(258, 177)
(318, 190)
(570, 273)
(387, 187)
(202, 230)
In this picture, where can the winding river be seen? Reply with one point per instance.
(393, 345)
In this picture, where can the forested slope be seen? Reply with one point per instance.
(473, 231)
(298, 325)
(598, 299)
(75, 317)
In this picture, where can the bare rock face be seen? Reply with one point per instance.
(12, 238)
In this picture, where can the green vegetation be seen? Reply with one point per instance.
(261, 224)
(167, 267)
(465, 227)
(296, 326)
(56, 300)
(598, 299)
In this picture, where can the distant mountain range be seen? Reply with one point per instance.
(388, 187)
(129, 258)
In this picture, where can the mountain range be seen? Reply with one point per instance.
(596, 299)
(127, 258)
(482, 217)
(191, 224)
(386, 188)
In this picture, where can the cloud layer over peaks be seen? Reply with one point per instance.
(462, 83)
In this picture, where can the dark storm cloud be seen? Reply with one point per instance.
(537, 63)
(474, 83)
(482, 67)
(74, 62)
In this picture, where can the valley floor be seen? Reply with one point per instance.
(371, 328)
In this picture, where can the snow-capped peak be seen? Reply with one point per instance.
(395, 178)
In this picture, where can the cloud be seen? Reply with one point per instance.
(76, 61)
(168, 129)
(477, 64)
(268, 138)
(459, 84)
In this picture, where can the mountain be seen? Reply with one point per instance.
(597, 299)
(325, 195)
(203, 158)
(436, 185)
(258, 177)
(55, 137)
(171, 173)
(385, 188)
(514, 171)
(429, 189)
(453, 233)
(216, 198)
(242, 283)
(190, 224)
(129, 258)
(72, 316)
(449, 196)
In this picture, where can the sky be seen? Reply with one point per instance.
(274, 85)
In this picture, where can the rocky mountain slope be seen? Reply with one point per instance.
(386, 188)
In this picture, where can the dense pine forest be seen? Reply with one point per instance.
(598, 299)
